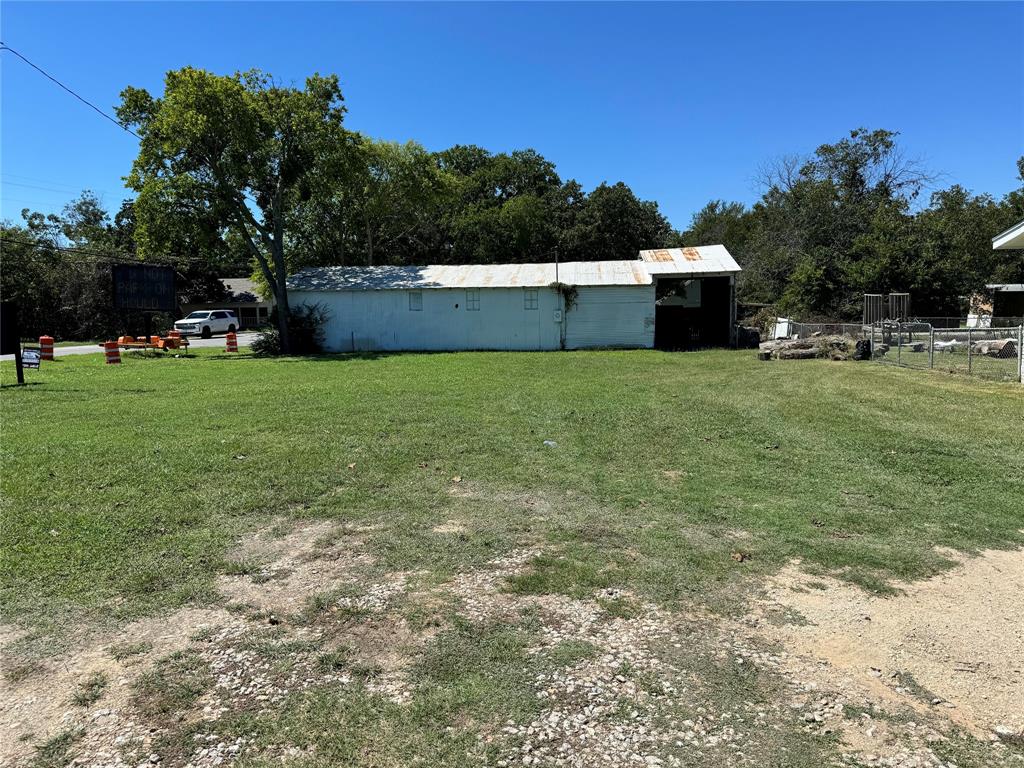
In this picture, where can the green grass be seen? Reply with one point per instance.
(124, 488)
(172, 686)
(129, 650)
(90, 690)
(54, 753)
(982, 366)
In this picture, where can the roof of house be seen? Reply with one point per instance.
(1006, 287)
(697, 260)
(1011, 238)
(237, 285)
(714, 259)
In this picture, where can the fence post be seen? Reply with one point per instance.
(899, 343)
(970, 351)
(1020, 354)
(931, 346)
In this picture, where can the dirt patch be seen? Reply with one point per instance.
(952, 643)
(619, 681)
(283, 572)
(449, 527)
(40, 706)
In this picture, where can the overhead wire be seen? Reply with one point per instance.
(47, 75)
(99, 254)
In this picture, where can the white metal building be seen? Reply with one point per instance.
(1011, 238)
(512, 306)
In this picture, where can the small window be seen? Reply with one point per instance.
(415, 301)
(220, 315)
(529, 298)
(473, 300)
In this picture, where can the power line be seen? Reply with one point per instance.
(98, 255)
(46, 189)
(5, 47)
(70, 187)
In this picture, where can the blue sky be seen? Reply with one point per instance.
(682, 102)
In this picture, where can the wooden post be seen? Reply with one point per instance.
(899, 343)
(970, 351)
(17, 366)
(931, 347)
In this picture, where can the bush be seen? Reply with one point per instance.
(305, 332)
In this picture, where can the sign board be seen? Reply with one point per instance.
(10, 337)
(144, 287)
(30, 357)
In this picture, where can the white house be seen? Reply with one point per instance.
(1011, 238)
(1008, 298)
(573, 305)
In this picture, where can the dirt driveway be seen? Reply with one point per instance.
(818, 672)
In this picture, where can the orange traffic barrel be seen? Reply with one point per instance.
(112, 352)
(125, 339)
(231, 340)
(46, 347)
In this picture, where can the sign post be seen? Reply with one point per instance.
(10, 336)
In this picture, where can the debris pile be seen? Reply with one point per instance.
(830, 347)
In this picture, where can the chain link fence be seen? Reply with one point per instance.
(807, 330)
(992, 353)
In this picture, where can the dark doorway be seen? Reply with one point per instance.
(692, 314)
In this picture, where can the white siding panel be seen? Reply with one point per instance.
(381, 320)
(611, 316)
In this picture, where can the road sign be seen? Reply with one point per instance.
(145, 287)
(30, 357)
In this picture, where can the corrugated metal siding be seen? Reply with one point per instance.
(611, 317)
(381, 320)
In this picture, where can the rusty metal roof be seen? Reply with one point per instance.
(703, 259)
(713, 259)
(470, 276)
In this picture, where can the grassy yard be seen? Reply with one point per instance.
(677, 480)
(123, 487)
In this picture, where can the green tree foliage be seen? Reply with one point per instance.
(612, 223)
(399, 204)
(57, 268)
(842, 223)
(232, 154)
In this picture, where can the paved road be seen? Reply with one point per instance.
(244, 340)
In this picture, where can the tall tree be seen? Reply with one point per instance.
(233, 154)
(613, 223)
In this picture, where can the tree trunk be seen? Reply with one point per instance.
(282, 321)
(283, 310)
(280, 271)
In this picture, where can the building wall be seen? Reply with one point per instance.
(611, 316)
(382, 319)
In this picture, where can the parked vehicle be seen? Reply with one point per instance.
(207, 322)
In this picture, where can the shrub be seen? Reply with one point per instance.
(305, 332)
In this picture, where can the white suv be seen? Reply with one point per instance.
(207, 322)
